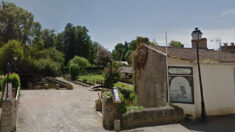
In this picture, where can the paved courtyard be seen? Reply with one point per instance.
(73, 111)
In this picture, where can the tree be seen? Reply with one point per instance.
(15, 23)
(111, 77)
(133, 45)
(80, 61)
(50, 53)
(119, 52)
(103, 57)
(129, 55)
(96, 47)
(69, 36)
(74, 70)
(46, 62)
(49, 38)
(122, 52)
(76, 41)
(176, 44)
(13, 49)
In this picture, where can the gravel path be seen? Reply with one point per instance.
(67, 111)
(58, 111)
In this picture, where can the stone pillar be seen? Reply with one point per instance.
(110, 112)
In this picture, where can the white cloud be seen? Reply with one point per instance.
(228, 12)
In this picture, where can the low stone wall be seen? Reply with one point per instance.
(110, 112)
(60, 82)
(9, 110)
(152, 116)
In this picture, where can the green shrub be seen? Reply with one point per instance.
(9, 51)
(111, 77)
(51, 53)
(122, 105)
(13, 78)
(107, 95)
(73, 70)
(133, 98)
(48, 67)
(98, 101)
(80, 61)
(126, 92)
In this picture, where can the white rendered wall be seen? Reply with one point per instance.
(218, 87)
(218, 83)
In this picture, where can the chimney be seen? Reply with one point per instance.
(225, 44)
(202, 43)
(232, 44)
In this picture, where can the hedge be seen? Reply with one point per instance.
(13, 78)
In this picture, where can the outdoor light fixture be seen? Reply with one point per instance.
(15, 59)
(196, 35)
(8, 71)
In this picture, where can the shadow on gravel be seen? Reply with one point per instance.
(213, 124)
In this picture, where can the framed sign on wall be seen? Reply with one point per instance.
(181, 84)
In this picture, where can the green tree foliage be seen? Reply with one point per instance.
(8, 53)
(176, 44)
(50, 53)
(119, 52)
(15, 23)
(47, 67)
(36, 48)
(103, 57)
(111, 77)
(123, 52)
(129, 56)
(80, 61)
(76, 41)
(46, 62)
(74, 70)
(13, 78)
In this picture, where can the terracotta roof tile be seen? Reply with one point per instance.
(190, 54)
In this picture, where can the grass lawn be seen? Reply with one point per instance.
(124, 85)
(91, 77)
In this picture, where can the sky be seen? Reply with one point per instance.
(115, 21)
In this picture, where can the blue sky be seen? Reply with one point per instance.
(112, 21)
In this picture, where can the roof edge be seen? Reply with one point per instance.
(155, 50)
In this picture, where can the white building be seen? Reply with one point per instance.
(218, 79)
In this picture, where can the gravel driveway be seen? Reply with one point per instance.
(58, 111)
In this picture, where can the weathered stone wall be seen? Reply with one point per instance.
(9, 111)
(152, 116)
(110, 112)
(151, 80)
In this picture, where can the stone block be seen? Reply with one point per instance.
(117, 126)
(46, 86)
(110, 112)
(57, 86)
